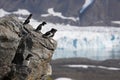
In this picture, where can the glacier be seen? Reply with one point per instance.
(92, 42)
(73, 41)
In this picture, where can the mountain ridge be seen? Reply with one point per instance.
(99, 10)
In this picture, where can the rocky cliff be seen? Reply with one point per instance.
(17, 43)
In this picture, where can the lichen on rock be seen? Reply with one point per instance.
(17, 41)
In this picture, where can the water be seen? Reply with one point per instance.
(89, 53)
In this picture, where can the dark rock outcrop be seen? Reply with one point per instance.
(17, 41)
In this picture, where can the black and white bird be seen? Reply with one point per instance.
(40, 26)
(27, 20)
(26, 62)
(50, 33)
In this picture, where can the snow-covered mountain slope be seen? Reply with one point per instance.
(74, 12)
(74, 38)
(68, 8)
(51, 12)
(100, 13)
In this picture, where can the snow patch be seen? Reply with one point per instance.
(116, 22)
(51, 12)
(86, 4)
(45, 15)
(21, 12)
(80, 66)
(63, 79)
(3, 13)
(92, 66)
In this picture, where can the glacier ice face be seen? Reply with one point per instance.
(97, 43)
(84, 39)
(89, 40)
